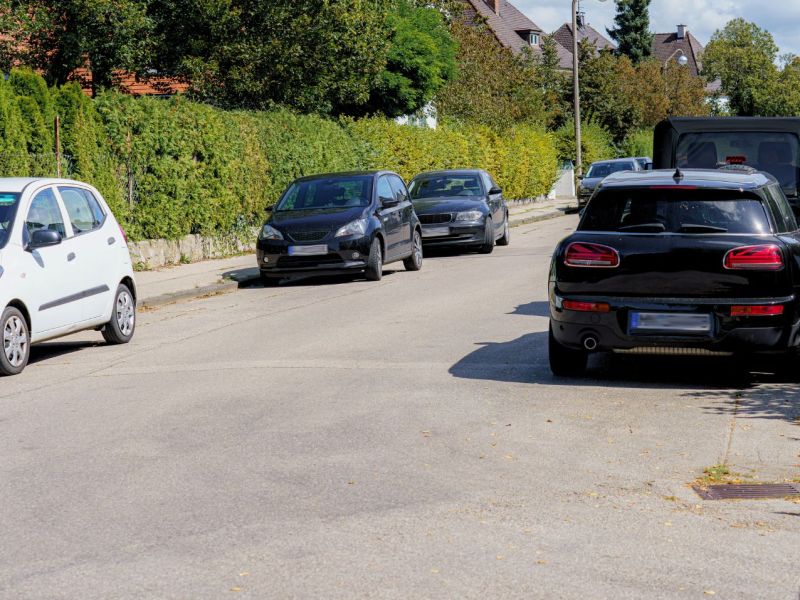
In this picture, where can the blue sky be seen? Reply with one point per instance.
(780, 17)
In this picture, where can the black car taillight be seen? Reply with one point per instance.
(754, 258)
(582, 254)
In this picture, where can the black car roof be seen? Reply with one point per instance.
(614, 160)
(344, 174)
(692, 124)
(450, 172)
(704, 178)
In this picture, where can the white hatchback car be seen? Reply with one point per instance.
(64, 267)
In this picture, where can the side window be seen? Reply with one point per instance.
(399, 188)
(83, 209)
(44, 213)
(384, 188)
(784, 212)
(487, 181)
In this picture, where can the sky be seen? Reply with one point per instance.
(703, 17)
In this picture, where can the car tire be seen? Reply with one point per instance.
(488, 245)
(121, 327)
(506, 239)
(565, 362)
(414, 262)
(374, 270)
(16, 342)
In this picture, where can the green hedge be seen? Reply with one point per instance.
(173, 167)
(596, 143)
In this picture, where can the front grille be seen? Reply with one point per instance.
(290, 262)
(308, 236)
(435, 219)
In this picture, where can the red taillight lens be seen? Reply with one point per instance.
(600, 307)
(769, 310)
(758, 258)
(580, 254)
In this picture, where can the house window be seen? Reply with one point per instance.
(533, 39)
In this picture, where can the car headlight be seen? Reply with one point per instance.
(268, 232)
(358, 227)
(469, 215)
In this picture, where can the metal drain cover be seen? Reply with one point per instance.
(748, 491)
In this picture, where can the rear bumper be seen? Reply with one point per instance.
(611, 330)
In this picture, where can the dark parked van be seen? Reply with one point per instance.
(770, 144)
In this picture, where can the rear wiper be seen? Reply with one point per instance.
(693, 228)
(645, 227)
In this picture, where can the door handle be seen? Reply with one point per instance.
(112, 241)
(70, 256)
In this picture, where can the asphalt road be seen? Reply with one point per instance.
(402, 439)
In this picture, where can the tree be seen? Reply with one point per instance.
(420, 60)
(554, 83)
(494, 87)
(742, 56)
(632, 31)
(58, 36)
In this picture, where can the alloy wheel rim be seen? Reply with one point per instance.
(418, 248)
(506, 232)
(126, 314)
(15, 341)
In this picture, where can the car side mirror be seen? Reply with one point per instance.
(41, 238)
(495, 190)
(581, 177)
(388, 202)
(269, 209)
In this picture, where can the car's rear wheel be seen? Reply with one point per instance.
(374, 270)
(506, 239)
(414, 262)
(16, 342)
(488, 239)
(120, 329)
(565, 362)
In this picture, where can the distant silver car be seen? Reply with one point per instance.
(599, 171)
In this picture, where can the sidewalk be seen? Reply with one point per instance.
(170, 284)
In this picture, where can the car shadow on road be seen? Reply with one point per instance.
(540, 308)
(755, 392)
(50, 350)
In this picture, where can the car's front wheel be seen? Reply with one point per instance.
(120, 329)
(506, 239)
(16, 342)
(374, 270)
(565, 362)
(488, 238)
(414, 262)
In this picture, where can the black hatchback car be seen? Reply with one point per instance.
(340, 223)
(699, 262)
(461, 208)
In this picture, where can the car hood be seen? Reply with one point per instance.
(591, 182)
(315, 219)
(447, 205)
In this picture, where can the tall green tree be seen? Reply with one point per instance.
(632, 29)
(58, 36)
(742, 56)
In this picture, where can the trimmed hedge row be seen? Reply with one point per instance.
(173, 167)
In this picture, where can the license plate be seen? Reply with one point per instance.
(435, 231)
(308, 250)
(670, 322)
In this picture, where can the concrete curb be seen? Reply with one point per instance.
(223, 287)
(553, 214)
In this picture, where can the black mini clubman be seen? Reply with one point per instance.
(340, 223)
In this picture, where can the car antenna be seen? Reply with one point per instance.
(678, 174)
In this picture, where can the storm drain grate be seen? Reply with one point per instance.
(748, 491)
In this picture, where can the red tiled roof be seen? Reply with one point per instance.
(563, 36)
(129, 83)
(666, 46)
(505, 25)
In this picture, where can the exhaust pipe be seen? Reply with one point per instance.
(590, 343)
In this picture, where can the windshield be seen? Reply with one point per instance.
(445, 186)
(774, 153)
(600, 170)
(647, 210)
(8, 208)
(329, 193)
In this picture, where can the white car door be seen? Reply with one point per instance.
(96, 264)
(50, 273)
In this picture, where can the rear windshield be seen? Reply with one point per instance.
(443, 186)
(8, 208)
(774, 153)
(330, 193)
(606, 169)
(648, 210)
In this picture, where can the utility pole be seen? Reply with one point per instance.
(576, 86)
(57, 126)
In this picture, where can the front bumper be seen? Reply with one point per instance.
(454, 234)
(611, 330)
(346, 255)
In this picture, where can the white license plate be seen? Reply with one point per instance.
(435, 231)
(671, 322)
(317, 250)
